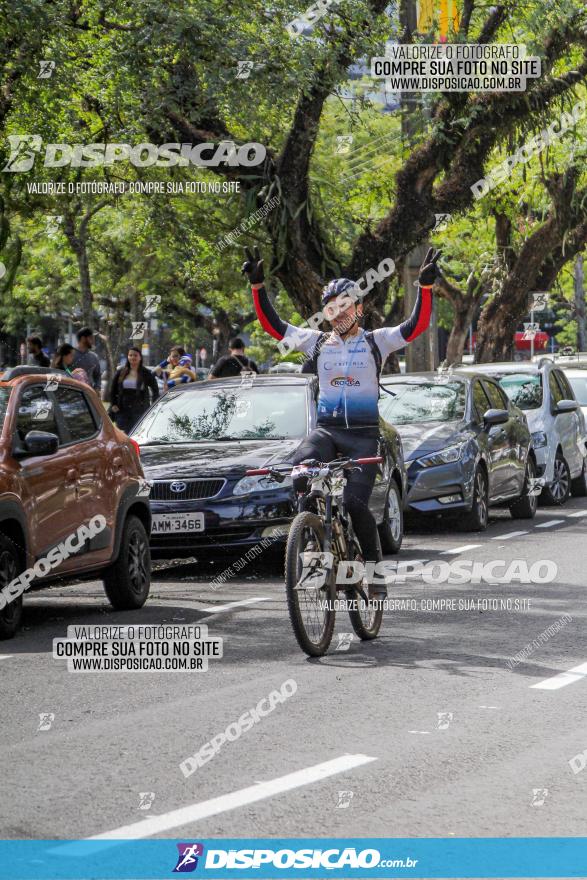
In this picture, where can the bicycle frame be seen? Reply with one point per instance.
(327, 482)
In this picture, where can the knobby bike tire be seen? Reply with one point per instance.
(308, 642)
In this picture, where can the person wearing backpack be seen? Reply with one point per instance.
(233, 363)
(348, 361)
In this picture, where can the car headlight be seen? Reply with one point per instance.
(443, 456)
(539, 439)
(259, 484)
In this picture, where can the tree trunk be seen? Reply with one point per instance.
(85, 283)
(463, 315)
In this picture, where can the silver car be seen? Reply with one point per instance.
(559, 434)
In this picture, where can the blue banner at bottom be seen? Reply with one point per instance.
(378, 857)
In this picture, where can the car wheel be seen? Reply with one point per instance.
(128, 580)
(559, 490)
(391, 530)
(579, 484)
(10, 566)
(526, 504)
(476, 520)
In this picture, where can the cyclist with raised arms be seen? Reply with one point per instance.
(348, 362)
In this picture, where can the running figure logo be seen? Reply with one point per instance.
(539, 795)
(188, 857)
(344, 799)
(146, 799)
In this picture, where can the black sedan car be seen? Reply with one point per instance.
(198, 441)
(466, 446)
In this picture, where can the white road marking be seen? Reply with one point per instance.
(231, 605)
(209, 609)
(551, 522)
(489, 707)
(214, 806)
(577, 513)
(419, 731)
(509, 535)
(462, 549)
(6, 656)
(562, 679)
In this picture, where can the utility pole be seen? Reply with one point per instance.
(422, 354)
(580, 315)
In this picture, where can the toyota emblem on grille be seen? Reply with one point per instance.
(178, 486)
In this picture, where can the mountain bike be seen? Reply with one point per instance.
(320, 537)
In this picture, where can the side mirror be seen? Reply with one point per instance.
(495, 417)
(565, 406)
(41, 443)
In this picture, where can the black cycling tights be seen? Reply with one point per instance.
(324, 444)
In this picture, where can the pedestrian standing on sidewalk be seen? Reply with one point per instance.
(37, 357)
(233, 363)
(88, 359)
(134, 388)
(63, 360)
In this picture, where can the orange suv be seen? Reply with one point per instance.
(73, 498)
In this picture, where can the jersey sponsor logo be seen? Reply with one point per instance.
(348, 381)
(332, 365)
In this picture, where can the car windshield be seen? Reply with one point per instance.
(523, 389)
(235, 413)
(423, 402)
(579, 386)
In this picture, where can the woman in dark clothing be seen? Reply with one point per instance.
(129, 394)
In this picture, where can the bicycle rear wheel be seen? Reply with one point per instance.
(309, 585)
(366, 617)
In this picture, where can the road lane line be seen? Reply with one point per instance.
(223, 803)
(562, 679)
(6, 656)
(577, 513)
(509, 535)
(551, 522)
(207, 609)
(462, 549)
(231, 605)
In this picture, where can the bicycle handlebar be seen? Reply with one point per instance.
(342, 463)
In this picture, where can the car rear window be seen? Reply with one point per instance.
(523, 389)
(76, 413)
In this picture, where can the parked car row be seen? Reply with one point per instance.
(454, 443)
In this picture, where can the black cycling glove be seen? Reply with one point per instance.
(253, 267)
(429, 271)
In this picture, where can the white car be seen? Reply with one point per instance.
(577, 376)
(556, 421)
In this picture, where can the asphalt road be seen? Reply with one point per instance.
(358, 750)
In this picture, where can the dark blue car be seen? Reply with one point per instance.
(466, 445)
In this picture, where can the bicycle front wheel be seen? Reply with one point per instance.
(309, 584)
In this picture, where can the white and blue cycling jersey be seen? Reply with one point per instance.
(347, 370)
